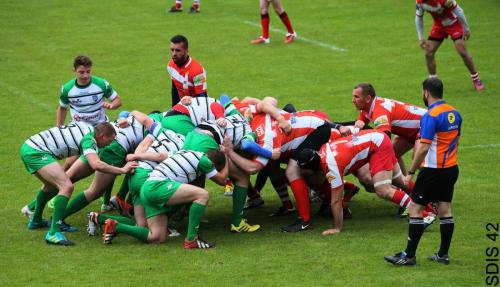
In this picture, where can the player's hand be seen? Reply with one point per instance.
(422, 43)
(106, 105)
(331, 231)
(345, 131)
(276, 153)
(130, 166)
(407, 180)
(221, 122)
(131, 157)
(285, 126)
(228, 144)
(466, 35)
(122, 123)
(186, 100)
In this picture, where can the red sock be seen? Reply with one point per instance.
(264, 21)
(286, 21)
(401, 198)
(410, 186)
(178, 5)
(196, 5)
(301, 193)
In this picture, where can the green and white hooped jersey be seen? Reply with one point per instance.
(166, 141)
(85, 102)
(130, 136)
(183, 167)
(236, 129)
(65, 141)
(199, 109)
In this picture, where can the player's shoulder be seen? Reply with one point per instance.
(195, 65)
(98, 81)
(419, 1)
(66, 87)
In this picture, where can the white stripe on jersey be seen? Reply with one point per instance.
(167, 141)
(298, 122)
(333, 175)
(199, 109)
(431, 157)
(293, 144)
(180, 167)
(130, 136)
(410, 124)
(375, 138)
(62, 141)
(359, 156)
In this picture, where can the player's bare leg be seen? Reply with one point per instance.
(467, 58)
(69, 162)
(430, 52)
(401, 146)
(54, 175)
(278, 8)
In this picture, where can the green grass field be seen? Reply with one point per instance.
(129, 44)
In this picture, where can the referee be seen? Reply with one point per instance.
(439, 135)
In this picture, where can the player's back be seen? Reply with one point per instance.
(441, 11)
(129, 137)
(166, 142)
(62, 141)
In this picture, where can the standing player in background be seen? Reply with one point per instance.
(437, 157)
(178, 7)
(86, 96)
(264, 21)
(448, 20)
(188, 75)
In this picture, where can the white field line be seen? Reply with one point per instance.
(480, 146)
(310, 41)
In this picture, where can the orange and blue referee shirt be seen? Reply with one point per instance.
(440, 127)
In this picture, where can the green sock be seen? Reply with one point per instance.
(239, 197)
(139, 232)
(122, 193)
(40, 202)
(32, 204)
(76, 204)
(107, 194)
(121, 219)
(60, 203)
(195, 215)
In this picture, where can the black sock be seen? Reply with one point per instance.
(261, 179)
(415, 231)
(447, 225)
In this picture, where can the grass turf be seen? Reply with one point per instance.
(128, 43)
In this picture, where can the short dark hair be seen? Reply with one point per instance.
(105, 128)
(367, 89)
(82, 60)
(180, 39)
(434, 86)
(218, 158)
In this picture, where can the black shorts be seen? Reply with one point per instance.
(435, 185)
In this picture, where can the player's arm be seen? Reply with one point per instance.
(114, 104)
(151, 156)
(208, 168)
(199, 82)
(62, 110)
(221, 176)
(145, 120)
(249, 166)
(419, 25)
(61, 115)
(144, 145)
(98, 165)
(337, 211)
(459, 13)
(113, 98)
(268, 108)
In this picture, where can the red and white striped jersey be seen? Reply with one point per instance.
(346, 155)
(399, 118)
(441, 11)
(190, 79)
(269, 136)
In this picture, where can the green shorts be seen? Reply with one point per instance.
(200, 142)
(155, 194)
(180, 124)
(135, 183)
(34, 159)
(112, 154)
